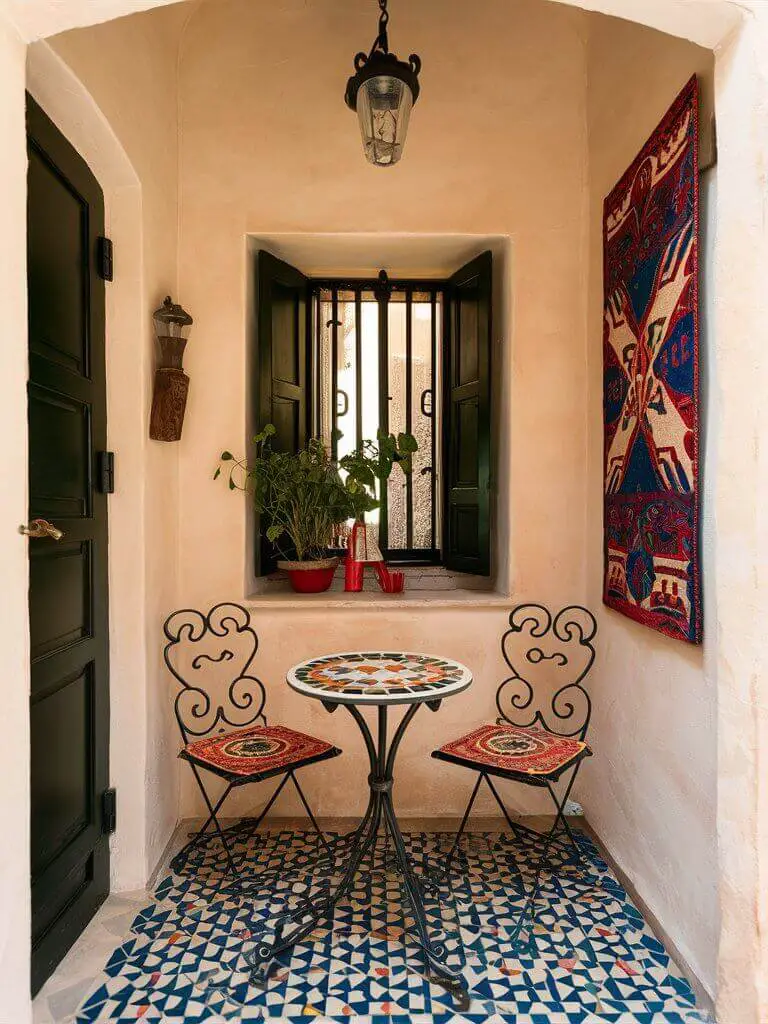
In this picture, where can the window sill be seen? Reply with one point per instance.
(364, 600)
(425, 587)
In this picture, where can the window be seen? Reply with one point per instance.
(376, 349)
(339, 359)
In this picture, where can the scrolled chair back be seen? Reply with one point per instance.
(210, 656)
(549, 658)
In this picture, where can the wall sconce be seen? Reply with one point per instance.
(169, 395)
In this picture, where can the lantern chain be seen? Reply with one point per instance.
(382, 41)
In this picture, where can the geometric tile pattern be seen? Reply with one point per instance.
(590, 956)
(379, 677)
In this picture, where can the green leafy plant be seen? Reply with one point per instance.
(371, 462)
(302, 495)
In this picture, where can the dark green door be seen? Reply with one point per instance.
(68, 611)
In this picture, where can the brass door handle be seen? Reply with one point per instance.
(41, 528)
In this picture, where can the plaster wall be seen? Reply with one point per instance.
(143, 543)
(741, 267)
(14, 648)
(741, 96)
(268, 148)
(651, 792)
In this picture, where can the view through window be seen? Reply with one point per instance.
(377, 358)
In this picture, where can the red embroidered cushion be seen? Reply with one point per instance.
(257, 749)
(512, 748)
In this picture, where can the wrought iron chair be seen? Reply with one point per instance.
(220, 712)
(535, 741)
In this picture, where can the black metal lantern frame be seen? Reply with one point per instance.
(383, 67)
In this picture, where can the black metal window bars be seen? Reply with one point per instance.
(376, 359)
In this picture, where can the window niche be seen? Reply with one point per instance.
(338, 354)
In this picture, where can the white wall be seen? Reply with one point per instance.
(14, 648)
(651, 792)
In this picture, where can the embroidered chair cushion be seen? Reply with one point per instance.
(257, 751)
(512, 749)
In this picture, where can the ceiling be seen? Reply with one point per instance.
(706, 22)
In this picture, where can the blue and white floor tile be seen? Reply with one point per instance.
(590, 956)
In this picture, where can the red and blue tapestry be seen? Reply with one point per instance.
(651, 381)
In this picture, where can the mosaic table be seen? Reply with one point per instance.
(382, 679)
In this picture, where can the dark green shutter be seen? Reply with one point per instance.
(281, 390)
(467, 430)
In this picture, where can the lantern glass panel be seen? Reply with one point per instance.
(172, 320)
(383, 110)
(169, 328)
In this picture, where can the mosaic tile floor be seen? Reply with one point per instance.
(591, 956)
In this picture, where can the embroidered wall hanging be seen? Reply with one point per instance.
(651, 381)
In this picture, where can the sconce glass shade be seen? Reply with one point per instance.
(172, 320)
(383, 91)
(172, 327)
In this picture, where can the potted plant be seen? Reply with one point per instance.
(365, 465)
(303, 498)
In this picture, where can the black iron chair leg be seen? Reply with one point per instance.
(543, 865)
(515, 826)
(561, 819)
(310, 815)
(463, 825)
(529, 909)
(213, 817)
(180, 859)
(201, 832)
(249, 826)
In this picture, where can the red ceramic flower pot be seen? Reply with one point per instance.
(310, 577)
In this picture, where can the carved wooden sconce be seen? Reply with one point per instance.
(169, 395)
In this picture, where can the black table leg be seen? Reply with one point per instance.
(293, 926)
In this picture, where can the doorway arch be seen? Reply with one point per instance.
(128, 349)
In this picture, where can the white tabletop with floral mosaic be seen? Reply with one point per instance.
(379, 677)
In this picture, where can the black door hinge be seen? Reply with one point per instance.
(106, 472)
(109, 811)
(104, 257)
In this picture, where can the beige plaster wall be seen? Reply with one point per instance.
(251, 165)
(742, 100)
(129, 68)
(14, 649)
(741, 380)
(268, 147)
(651, 792)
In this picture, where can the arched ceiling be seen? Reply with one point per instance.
(706, 22)
(36, 19)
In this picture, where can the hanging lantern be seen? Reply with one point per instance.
(382, 91)
(169, 395)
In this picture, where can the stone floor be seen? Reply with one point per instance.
(180, 953)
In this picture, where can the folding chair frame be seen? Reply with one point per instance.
(568, 714)
(244, 706)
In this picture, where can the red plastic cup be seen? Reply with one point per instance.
(353, 575)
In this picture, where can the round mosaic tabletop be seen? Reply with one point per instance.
(379, 677)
